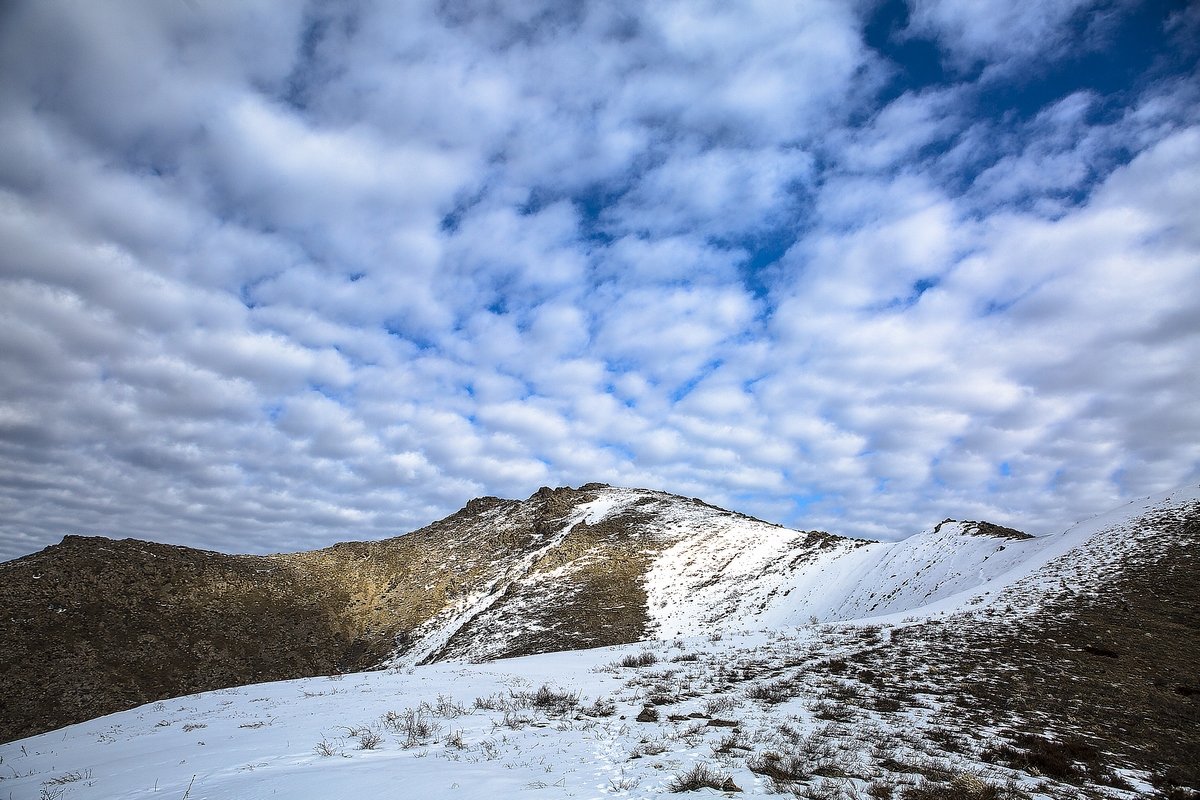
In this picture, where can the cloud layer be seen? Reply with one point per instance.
(279, 275)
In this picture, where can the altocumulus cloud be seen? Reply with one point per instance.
(277, 274)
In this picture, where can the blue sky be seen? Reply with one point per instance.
(280, 274)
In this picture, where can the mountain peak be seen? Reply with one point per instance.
(979, 528)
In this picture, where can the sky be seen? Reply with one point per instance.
(278, 274)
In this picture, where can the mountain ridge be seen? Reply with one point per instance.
(100, 624)
(1047, 668)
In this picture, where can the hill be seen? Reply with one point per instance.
(98, 625)
(1067, 670)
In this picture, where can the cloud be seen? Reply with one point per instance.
(279, 275)
(721, 191)
(997, 33)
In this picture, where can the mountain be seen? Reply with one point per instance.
(989, 664)
(98, 625)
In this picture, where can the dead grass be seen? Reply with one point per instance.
(645, 658)
(963, 786)
(780, 768)
(702, 776)
(1070, 759)
(779, 691)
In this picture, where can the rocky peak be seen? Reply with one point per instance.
(981, 528)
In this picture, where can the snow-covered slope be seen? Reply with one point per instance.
(736, 578)
(478, 734)
(686, 568)
(678, 565)
(713, 571)
(672, 566)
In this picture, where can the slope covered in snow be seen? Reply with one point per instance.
(735, 578)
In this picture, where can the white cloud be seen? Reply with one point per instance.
(721, 191)
(996, 31)
(277, 276)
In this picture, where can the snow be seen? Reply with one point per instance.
(133, 754)
(726, 574)
(742, 574)
(267, 740)
(258, 741)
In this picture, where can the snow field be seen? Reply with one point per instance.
(725, 704)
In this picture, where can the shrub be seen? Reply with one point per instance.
(70, 777)
(887, 705)
(846, 691)
(702, 776)
(1070, 759)
(774, 692)
(623, 784)
(642, 659)
(412, 724)
(835, 712)
(881, 790)
(963, 786)
(493, 702)
(515, 719)
(648, 749)
(447, 707)
(827, 790)
(369, 739)
(730, 743)
(547, 699)
(779, 768)
(602, 707)
(326, 748)
(717, 705)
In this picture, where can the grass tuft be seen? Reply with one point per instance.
(702, 776)
(642, 659)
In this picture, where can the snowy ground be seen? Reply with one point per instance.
(482, 731)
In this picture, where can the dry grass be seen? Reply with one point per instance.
(702, 776)
(643, 659)
(963, 786)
